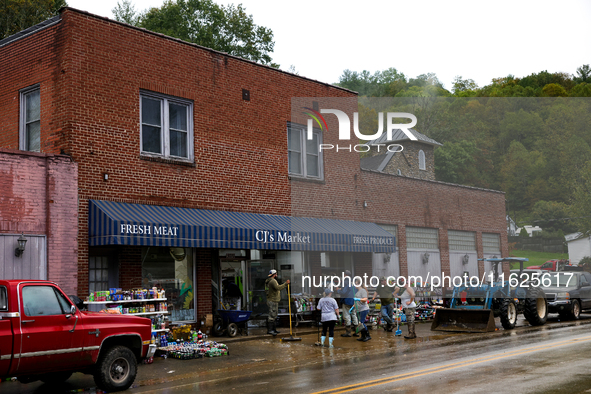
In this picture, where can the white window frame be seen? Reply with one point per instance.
(23, 140)
(422, 162)
(303, 154)
(165, 101)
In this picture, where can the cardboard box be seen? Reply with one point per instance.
(209, 320)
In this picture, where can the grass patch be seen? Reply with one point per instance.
(536, 258)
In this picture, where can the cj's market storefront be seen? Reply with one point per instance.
(202, 258)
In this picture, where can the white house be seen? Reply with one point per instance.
(530, 230)
(578, 247)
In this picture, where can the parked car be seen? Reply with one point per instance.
(44, 336)
(568, 293)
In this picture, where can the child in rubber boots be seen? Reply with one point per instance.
(330, 313)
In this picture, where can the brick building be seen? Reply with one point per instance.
(37, 193)
(193, 167)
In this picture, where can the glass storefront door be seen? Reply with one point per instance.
(171, 269)
(257, 274)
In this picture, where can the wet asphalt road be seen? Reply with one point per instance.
(550, 359)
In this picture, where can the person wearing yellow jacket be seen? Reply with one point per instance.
(273, 292)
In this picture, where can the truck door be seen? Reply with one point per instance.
(585, 290)
(5, 333)
(49, 339)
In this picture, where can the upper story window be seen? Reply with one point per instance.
(167, 126)
(422, 165)
(304, 155)
(30, 119)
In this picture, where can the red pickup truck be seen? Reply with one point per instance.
(556, 265)
(44, 336)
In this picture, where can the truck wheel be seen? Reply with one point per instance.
(508, 314)
(116, 369)
(575, 312)
(536, 307)
(55, 378)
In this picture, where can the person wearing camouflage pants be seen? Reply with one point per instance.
(409, 306)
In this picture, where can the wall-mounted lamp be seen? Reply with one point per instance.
(105, 176)
(22, 241)
(364, 204)
(425, 258)
(465, 259)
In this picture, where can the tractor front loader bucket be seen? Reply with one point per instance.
(463, 320)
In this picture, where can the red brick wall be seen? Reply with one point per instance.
(130, 268)
(204, 289)
(363, 265)
(413, 202)
(38, 195)
(37, 59)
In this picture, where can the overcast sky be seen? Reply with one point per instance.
(480, 40)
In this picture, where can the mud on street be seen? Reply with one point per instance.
(450, 361)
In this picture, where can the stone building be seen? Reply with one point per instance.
(415, 160)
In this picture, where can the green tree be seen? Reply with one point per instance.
(581, 90)
(463, 85)
(126, 12)
(581, 206)
(223, 28)
(523, 233)
(519, 176)
(583, 74)
(379, 84)
(17, 15)
(552, 216)
(554, 90)
(454, 162)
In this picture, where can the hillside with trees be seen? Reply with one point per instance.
(529, 137)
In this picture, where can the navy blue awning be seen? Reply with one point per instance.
(114, 223)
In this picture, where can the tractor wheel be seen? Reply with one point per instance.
(536, 307)
(508, 314)
(575, 313)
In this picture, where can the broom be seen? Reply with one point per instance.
(398, 330)
(291, 337)
(318, 316)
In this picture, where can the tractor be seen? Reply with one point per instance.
(473, 309)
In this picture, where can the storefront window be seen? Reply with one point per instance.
(292, 266)
(171, 269)
(336, 263)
